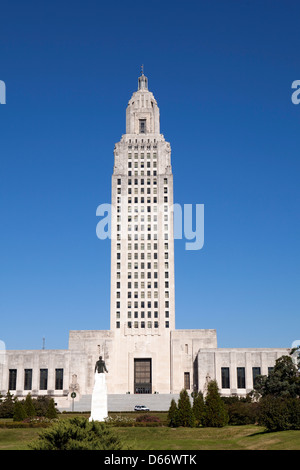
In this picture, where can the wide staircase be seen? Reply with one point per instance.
(126, 402)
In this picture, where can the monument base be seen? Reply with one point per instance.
(99, 399)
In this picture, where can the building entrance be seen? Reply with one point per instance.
(142, 376)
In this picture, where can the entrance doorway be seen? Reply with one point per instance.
(142, 376)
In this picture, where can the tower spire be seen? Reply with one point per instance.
(143, 81)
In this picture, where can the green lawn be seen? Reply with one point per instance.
(228, 438)
(163, 438)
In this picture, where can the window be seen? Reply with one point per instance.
(43, 379)
(59, 374)
(12, 379)
(142, 126)
(255, 373)
(28, 379)
(241, 380)
(225, 377)
(187, 381)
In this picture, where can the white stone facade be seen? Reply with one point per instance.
(143, 351)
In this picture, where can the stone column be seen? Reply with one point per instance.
(99, 399)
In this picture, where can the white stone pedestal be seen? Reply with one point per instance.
(99, 399)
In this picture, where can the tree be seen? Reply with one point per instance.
(41, 404)
(296, 352)
(19, 411)
(279, 413)
(78, 434)
(29, 406)
(185, 415)
(198, 408)
(51, 412)
(215, 414)
(7, 406)
(241, 410)
(283, 381)
(172, 414)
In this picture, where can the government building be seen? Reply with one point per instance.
(149, 361)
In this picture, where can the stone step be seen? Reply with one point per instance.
(126, 402)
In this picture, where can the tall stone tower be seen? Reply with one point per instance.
(142, 247)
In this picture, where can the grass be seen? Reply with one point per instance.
(248, 437)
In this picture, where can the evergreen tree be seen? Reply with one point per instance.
(29, 406)
(185, 415)
(215, 413)
(198, 408)
(7, 406)
(78, 434)
(172, 414)
(19, 411)
(51, 411)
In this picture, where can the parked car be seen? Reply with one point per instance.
(141, 408)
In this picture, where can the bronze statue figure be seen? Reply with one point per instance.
(100, 366)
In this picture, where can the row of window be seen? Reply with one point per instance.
(142, 164)
(141, 209)
(43, 379)
(141, 275)
(135, 304)
(136, 155)
(142, 314)
(141, 217)
(142, 294)
(148, 173)
(142, 265)
(142, 246)
(137, 236)
(241, 376)
(142, 324)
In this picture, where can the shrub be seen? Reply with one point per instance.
(279, 414)
(77, 434)
(147, 419)
(240, 413)
(120, 421)
(19, 411)
(241, 410)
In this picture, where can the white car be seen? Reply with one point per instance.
(141, 408)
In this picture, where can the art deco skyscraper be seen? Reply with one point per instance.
(142, 245)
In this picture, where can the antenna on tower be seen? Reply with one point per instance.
(43, 343)
(142, 69)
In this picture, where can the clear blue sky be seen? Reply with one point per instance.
(221, 72)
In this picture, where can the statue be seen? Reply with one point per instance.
(100, 366)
